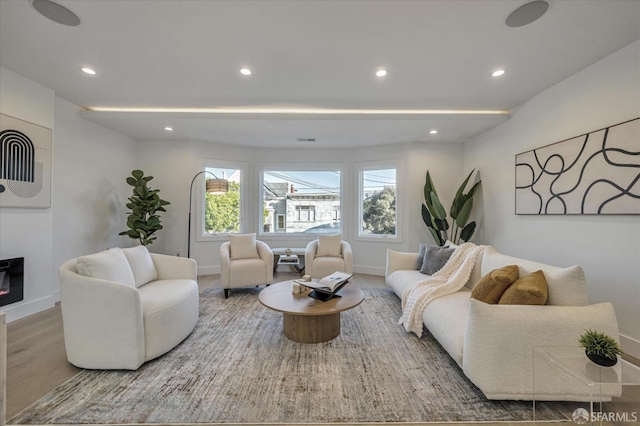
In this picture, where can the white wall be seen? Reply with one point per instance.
(608, 247)
(174, 163)
(28, 232)
(90, 167)
(90, 164)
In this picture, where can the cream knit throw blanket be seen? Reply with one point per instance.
(451, 278)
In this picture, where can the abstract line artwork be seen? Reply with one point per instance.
(595, 173)
(25, 164)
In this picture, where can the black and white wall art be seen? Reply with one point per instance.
(25, 164)
(595, 173)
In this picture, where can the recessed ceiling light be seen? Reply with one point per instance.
(498, 73)
(245, 71)
(56, 12)
(88, 70)
(381, 73)
(433, 132)
(527, 13)
(168, 129)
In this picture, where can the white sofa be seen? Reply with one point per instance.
(493, 344)
(123, 307)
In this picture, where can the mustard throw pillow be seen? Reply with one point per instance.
(529, 290)
(491, 287)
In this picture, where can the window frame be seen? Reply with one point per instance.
(201, 235)
(322, 167)
(361, 168)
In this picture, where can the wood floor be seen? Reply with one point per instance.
(36, 358)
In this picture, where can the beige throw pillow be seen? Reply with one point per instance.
(110, 265)
(529, 290)
(492, 286)
(329, 245)
(141, 264)
(243, 246)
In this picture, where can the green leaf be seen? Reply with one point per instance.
(465, 211)
(473, 189)
(131, 181)
(438, 210)
(436, 236)
(467, 231)
(138, 174)
(441, 224)
(429, 184)
(426, 216)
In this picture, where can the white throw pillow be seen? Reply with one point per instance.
(141, 264)
(566, 286)
(243, 246)
(329, 245)
(111, 265)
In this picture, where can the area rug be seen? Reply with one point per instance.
(238, 367)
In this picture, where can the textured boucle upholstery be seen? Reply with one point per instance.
(321, 266)
(494, 343)
(236, 273)
(112, 325)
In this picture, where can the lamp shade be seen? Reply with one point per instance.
(217, 186)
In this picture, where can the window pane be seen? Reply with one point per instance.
(222, 212)
(378, 202)
(301, 201)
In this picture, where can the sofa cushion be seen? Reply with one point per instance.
(420, 259)
(446, 319)
(529, 290)
(491, 287)
(435, 258)
(243, 246)
(111, 265)
(246, 272)
(566, 286)
(329, 245)
(170, 311)
(141, 264)
(403, 278)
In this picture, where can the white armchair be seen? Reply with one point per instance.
(123, 307)
(326, 255)
(244, 262)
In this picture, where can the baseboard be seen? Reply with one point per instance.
(630, 346)
(370, 270)
(29, 308)
(208, 270)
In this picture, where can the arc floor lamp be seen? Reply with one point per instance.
(214, 186)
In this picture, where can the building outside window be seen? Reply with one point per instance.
(306, 213)
(378, 215)
(307, 200)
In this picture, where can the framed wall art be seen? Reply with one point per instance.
(25, 164)
(595, 173)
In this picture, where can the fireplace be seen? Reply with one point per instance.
(11, 280)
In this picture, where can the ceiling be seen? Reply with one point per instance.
(318, 54)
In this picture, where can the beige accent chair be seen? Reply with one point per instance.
(326, 255)
(124, 307)
(244, 262)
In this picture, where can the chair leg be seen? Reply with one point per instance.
(226, 293)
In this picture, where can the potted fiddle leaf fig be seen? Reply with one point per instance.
(600, 348)
(143, 220)
(434, 214)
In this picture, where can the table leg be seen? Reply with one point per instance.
(311, 328)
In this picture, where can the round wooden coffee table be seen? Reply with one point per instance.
(307, 320)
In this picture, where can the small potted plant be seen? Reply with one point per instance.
(600, 348)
